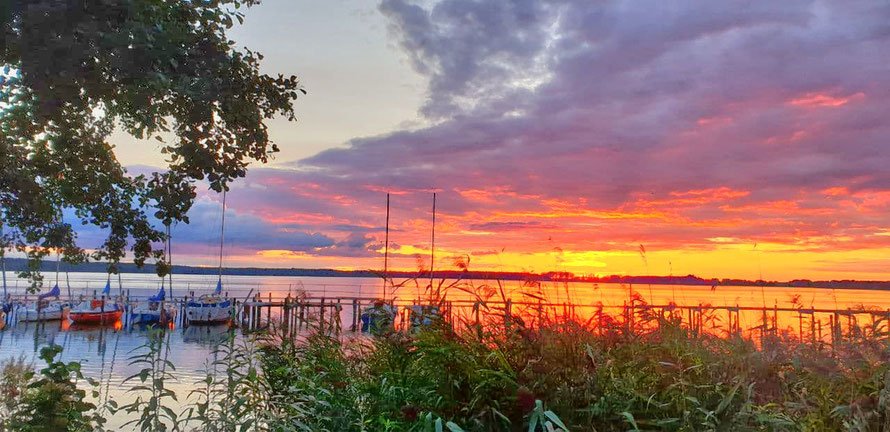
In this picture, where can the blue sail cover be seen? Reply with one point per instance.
(55, 292)
(107, 289)
(218, 287)
(159, 296)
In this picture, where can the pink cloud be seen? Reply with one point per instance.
(600, 126)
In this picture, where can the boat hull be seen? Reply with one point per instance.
(106, 317)
(50, 313)
(209, 313)
(152, 316)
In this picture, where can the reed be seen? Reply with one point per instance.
(604, 376)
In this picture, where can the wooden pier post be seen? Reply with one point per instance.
(837, 333)
(833, 335)
(339, 319)
(285, 314)
(321, 324)
(731, 325)
(813, 327)
(300, 310)
(355, 315)
(819, 329)
(800, 325)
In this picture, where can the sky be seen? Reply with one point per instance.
(732, 140)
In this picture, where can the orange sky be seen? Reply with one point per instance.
(732, 143)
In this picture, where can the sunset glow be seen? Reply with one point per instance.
(724, 155)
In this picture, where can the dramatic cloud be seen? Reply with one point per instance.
(698, 128)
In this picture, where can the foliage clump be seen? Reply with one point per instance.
(610, 379)
(72, 73)
(50, 401)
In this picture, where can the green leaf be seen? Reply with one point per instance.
(555, 419)
(453, 427)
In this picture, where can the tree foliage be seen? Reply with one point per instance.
(71, 72)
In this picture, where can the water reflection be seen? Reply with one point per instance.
(209, 336)
(105, 351)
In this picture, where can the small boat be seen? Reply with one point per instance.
(378, 319)
(154, 310)
(44, 309)
(210, 308)
(96, 312)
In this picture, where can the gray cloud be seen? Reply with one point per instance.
(603, 106)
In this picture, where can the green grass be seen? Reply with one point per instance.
(498, 376)
(659, 379)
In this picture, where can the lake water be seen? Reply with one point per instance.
(104, 351)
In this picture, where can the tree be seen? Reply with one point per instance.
(73, 71)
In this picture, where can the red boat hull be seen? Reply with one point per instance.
(95, 317)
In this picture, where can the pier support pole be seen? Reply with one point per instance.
(321, 325)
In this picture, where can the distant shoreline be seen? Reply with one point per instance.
(18, 264)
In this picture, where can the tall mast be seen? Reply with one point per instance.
(433, 244)
(3, 261)
(386, 250)
(3, 269)
(170, 259)
(222, 234)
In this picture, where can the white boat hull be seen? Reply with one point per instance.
(208, 314)
(53, 312)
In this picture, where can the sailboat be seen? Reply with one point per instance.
(44, 309)
(98, 311)
(212, 308)
(154, 309)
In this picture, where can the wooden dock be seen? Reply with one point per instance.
(342, 314)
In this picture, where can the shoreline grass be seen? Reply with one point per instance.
(553, 373)
(667, 378)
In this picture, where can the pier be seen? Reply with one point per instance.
(294, 314)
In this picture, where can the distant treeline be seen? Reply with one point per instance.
(18, 264)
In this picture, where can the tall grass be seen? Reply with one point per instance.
(664, 377)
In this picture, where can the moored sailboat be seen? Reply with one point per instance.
(98, 311)
(154, 310)
(212, 308)
(44, 309)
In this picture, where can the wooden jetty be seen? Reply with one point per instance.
(341, 314)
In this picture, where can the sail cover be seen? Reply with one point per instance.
(159, 296)
(55, 292)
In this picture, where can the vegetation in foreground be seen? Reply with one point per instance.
(554, 375)
(662, 379)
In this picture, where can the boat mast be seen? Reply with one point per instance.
(386, 250)
(222, 234)
(3, 262)
(170, 259)
(3, 269)
(433, 245)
